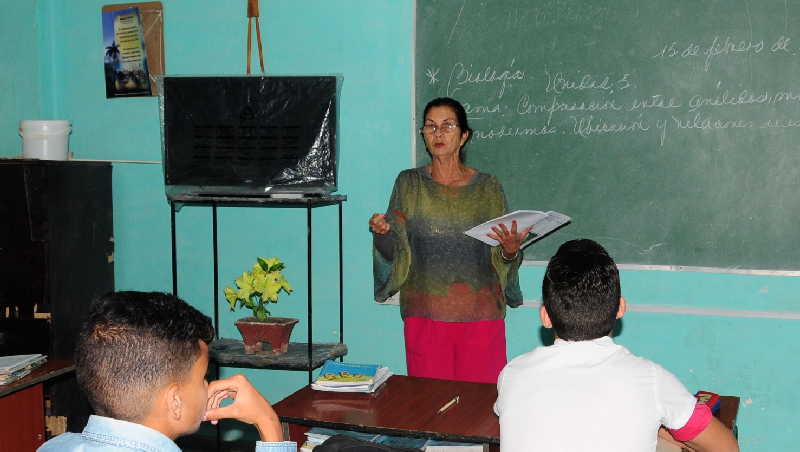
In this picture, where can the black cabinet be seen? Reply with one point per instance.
(56, 255)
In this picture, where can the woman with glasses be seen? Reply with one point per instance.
(453, 288)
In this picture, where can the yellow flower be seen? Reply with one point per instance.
(272, 287)
(257, 270)
(260, 282)
(259, 286)
(230, 295)
(285, 284)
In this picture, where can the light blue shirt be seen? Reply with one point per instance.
(112, 435)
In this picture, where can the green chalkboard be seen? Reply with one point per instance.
(669, 130)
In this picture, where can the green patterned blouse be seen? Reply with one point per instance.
(441, 273)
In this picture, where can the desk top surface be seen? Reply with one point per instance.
(402, 407)
(408, 406)
(46, 371)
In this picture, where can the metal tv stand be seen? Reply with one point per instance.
(230, 352)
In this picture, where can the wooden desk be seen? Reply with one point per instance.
(728, 410)
(407, 406)
(22, 407)
(403, 406)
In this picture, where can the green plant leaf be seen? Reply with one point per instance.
(261, 312)
(272, 264)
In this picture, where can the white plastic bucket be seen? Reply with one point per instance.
(45, 140)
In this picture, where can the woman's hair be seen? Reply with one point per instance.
(461, 117)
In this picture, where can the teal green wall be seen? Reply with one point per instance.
(19, 71)
(57, 73)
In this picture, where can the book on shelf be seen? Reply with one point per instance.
(317, 435)
(542, 224)
(450, 446)
(14, 367)
(350, 377)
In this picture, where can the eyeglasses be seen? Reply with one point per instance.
(430, 129)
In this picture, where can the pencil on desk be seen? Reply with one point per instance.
(447, 405)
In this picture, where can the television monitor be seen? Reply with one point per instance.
(249, 135)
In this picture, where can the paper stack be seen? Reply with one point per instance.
(14, 367)
(317, 435)
(348, 377)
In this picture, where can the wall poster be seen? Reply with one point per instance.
(132, 48)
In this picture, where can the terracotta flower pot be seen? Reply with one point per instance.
(274, 330)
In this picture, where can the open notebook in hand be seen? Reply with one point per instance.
(543, 223)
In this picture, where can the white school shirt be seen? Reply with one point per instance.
(589, 396)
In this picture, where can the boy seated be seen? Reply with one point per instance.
(141, 359)
(584, 392)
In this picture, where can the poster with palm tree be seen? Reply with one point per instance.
(125, 58)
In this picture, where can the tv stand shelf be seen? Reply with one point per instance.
(305, 356)
(179, 201)
(230, 352)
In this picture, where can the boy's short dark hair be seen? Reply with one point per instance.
(134, 343)
(581, 291)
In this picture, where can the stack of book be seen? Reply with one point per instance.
(317, 435)
(349, 377)
(14, 367)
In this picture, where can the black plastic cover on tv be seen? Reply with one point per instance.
(249, 135)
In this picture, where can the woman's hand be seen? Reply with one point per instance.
(510, 240)
(378, 224)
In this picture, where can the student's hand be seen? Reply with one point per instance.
(378, 224)
(510, 240)
(248, 406)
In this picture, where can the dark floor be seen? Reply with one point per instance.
(205, 440)
(202, 443)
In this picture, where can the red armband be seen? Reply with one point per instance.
(701, 417)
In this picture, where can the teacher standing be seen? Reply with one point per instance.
(453, 288)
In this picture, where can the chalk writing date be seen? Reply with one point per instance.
(724, 47)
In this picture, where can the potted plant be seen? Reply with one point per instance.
(255, 290)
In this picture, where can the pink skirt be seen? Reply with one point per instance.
(465, 351)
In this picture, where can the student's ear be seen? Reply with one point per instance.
(174, 403)
(623, 305)
(545, 318)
